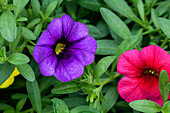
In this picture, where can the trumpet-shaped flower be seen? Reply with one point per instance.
(64, 48)
(10, 80)
(141, 71)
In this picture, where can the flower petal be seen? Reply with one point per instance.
(67, 22)
(42, 52)
(84, 50)
(143, 88)
(48, 66)
(130, 64)
(55, 28)
(78, 32)
(68, 69)
(46, 39)
(85, 57)
(88, 43)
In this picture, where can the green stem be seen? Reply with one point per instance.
(31, 42)
(151, 31)
(108, 80)
(28, 110)
(164, 42)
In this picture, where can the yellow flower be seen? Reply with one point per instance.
(10, 80)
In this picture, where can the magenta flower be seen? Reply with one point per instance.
(141, 71)
(64, 49)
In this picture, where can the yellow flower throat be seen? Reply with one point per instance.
(151, 72)
(59, 48)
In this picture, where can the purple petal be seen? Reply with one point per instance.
(68, 69)
(42, 52)
(67, 22)
(88, 44)
(47, 67)
(55, 28)
(78, 32)
(85, 57)
(46, 39)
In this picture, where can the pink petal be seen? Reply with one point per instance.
(143, 88)
(130, 64)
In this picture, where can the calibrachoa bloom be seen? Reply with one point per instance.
(141, 71)
(64, 49)
(10, 80)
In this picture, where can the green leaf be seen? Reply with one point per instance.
(128, 44)
(6, 70)
(18, 58)
(4, 107)
(30, 49)
(166, 107)
(140, 7)
(168, 86)
(163, 82)
(19, 96)
(165, 26)
(122, 8)
(8, 27)
(35, 7)
(102, 66)
(20, 5)
(94, 31)
(145, 106)
(21, 19)
(111, 97)
(13, 45)
(26, 71)
(34, 95)
(115, 23)
(1, 40)
(33, 22)
(83, 109)
(38, 29)
(106, 47)
(66, 87)
(163, 7)
(20, 104)
(93, 5)
(45, 3)
(59, 106)
(11, 7)
(154, 17)
(28, 34)
(51, 7)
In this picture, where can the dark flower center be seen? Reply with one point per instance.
(151, 72)
(59, 47)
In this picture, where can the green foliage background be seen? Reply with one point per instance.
(117, 25)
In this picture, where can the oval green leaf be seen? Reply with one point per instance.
(28, 34)
(166, 107)
(26, 71)
(59, 106)
(66, 87)
(6, 70)
(115, 23)
(163, 82)
(102, 66)
(8, 27)
(18, 59)
(145, 106)
(128, 44)
(106, 47)
(34, 95)
(165, 26)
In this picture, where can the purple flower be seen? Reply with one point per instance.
(64, 49)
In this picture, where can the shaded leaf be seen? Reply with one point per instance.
(59, 106)
(115, 23)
